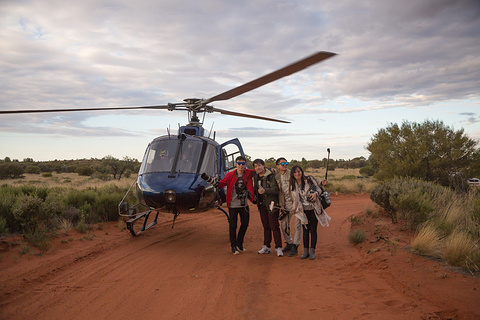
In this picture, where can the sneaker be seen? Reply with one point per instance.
(293, 250)
(288, 247)
(264, 250)
(279, 252)
(234, 250)
(241, 249)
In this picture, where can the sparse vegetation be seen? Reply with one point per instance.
(356, 236)
(40, 207)
(355, 220)
(447, 222)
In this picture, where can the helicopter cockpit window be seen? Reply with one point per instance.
(159, 156)
(209, 163)
(189, 156)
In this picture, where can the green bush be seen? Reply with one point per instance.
(85, 171)
(33, 169)
(11, 170)
(367, 171)
(410, 199)
(32, 211)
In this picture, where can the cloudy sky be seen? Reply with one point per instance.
(397, 61)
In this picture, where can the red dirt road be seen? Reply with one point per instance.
(189, 272)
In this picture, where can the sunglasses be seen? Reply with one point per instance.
(241, 163)
(284, 163)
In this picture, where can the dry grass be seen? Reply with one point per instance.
(344, 180)
(427, 242)
(71, 180)
(461, 250)
(333, 175)
(65, 227)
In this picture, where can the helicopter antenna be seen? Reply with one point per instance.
(211, 129)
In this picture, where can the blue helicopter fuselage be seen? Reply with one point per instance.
(170, 175)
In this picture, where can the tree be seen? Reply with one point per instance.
(118, 167)
(431, 151)
(11, 170)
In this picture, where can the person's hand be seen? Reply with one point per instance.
(261, 190)
(324, 182)
(313, 196)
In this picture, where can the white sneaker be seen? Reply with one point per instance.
(241, 249)
(264, 249)
(279, 252)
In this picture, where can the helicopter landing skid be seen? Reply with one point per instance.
(223, 210)
(175, 215)
(145, 215)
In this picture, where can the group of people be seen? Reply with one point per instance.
(281, 194)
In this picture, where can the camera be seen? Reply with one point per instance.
(283, 214)
(242, 191)
(311, 191)
(325, 199)
(211, 180)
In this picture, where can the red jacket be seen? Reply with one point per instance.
(231, 178)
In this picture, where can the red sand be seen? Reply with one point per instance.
(189, 272)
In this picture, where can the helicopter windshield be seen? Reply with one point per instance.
(160, 157)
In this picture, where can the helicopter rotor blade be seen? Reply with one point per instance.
(245, 115)
(81, 109)
(273, 76)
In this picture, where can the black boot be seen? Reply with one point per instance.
(305, 254)
(312, 253)
(293, 250)
(288, 247)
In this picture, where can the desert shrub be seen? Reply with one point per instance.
(367, 171)
(83, 227)
(7, 203)
(11, 170)
(409, 199)
(356, 236)
(78, 198)
(106, 206)
(32, 212)
(47, 174)
(39, 237)
(3, 226)
(33, 169)
(85, 170)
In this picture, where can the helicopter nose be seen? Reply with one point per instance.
(170, 196)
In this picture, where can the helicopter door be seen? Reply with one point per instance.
(228, 151)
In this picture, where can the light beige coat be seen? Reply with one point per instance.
(320, 213)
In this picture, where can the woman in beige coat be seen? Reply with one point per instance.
(307, 207)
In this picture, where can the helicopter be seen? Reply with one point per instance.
(170, 175)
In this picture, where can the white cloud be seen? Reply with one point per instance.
(394, 57)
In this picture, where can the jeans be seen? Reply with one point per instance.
(244, 212)
(270, 226)
(310, 229)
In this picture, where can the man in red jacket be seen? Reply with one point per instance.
(239, 188)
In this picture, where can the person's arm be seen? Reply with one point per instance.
(222, 183)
